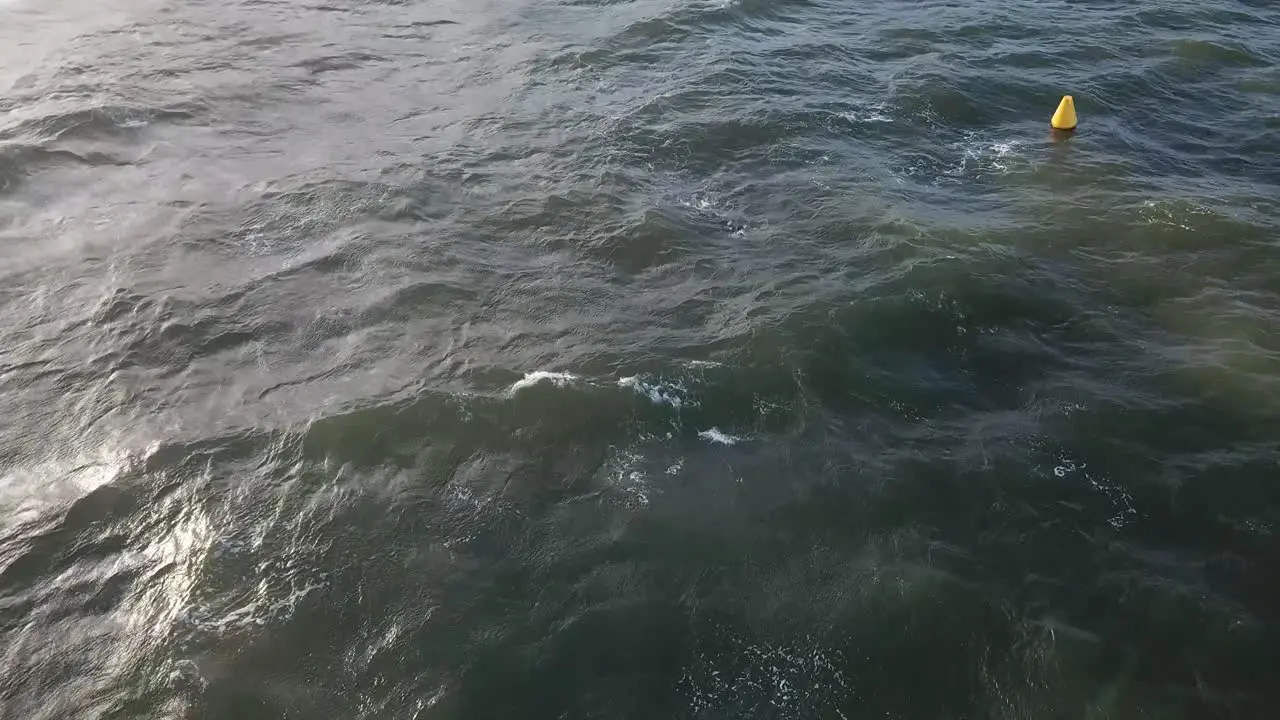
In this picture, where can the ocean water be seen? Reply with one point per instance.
(639, 359)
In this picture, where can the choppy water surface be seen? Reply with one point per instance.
(639, 359)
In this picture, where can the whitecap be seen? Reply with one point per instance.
(559, 379)
(797, 680)
(987, 156)
(627, 474)
(708, 204)
(715, 435)
(873, 114)
(1002, 150)
(658, 392)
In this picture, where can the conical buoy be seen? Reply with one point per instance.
(1065, 117)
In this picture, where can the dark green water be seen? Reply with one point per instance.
(639, 359)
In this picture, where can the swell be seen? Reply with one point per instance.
(18, 161)
(98, 122)
(480, 501)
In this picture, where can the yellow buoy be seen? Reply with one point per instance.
(1065, 117)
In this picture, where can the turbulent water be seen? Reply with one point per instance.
(639, 359)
